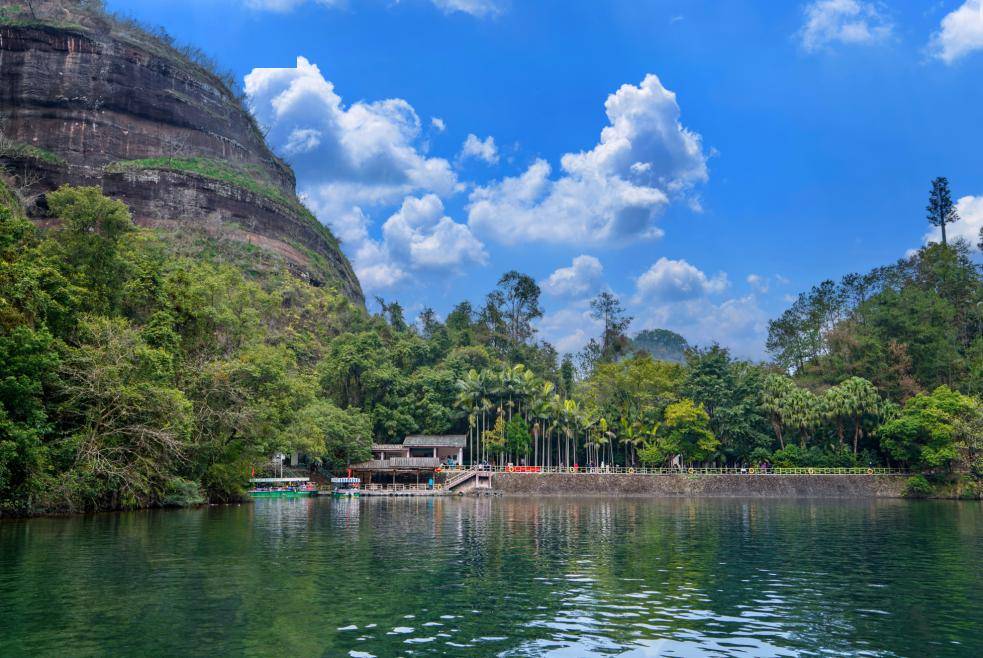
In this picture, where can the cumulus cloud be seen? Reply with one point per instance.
(480, 149)
(609, 194)
(583, 277)
(960, 33)
(738, 323)
(356, 159)
(438, 124)
(363, 153)
(829, 22)
(569, 328)
(970, 209)
(417, 238)
(676, 280)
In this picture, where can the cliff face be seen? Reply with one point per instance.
(90, 100)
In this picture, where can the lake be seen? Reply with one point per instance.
(499, 577)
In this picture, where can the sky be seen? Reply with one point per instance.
(704, 161)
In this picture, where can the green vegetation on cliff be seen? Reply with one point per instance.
(251, 180)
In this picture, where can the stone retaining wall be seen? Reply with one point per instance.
(754, 486)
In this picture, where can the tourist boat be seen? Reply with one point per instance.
(282, 487)
(345, 487)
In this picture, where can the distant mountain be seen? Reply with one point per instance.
(662, 344)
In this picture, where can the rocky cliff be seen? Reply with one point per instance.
(89, 99)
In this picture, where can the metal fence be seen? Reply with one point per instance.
(695, 470)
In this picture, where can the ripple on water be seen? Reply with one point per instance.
(521, 577)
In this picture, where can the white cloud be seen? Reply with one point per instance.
(676, 280)
(481, 149)
(438, 124)
(961, 32)
(970, 209)
(363, 153)
(351, 160)
(421, 235)
(479, 8)
(609, 194)
(843, 21)
(738, 323)
(417, 238)
(583, 277)
(569, 328)
(758, 282)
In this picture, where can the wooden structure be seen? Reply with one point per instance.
(419, 458)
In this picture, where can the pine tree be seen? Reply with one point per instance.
(941, 210)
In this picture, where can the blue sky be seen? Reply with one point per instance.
(703, 160)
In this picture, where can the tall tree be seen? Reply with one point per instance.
(940, 209)
(607, 309)
(519, 296)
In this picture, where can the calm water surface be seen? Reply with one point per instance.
(499, 577)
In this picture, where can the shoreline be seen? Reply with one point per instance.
(615, 485)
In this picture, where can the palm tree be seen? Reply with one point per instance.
(539, 409)
(834, 407)
(469, 395)
(632, 436)
(774, 393)
(861, 399)
(556, 415)
(801, 411)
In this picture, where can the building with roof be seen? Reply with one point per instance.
(418, 457)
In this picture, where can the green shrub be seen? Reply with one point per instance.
(918, 486)
(182, 493)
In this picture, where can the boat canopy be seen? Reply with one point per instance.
(346, 480)
(278, 480)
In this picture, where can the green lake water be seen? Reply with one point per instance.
(499, 577)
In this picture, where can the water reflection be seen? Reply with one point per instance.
(508, 577)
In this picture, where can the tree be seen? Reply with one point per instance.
(92, 228)
(940, 209)
(126, 427)
(567, 372)
(775, 392)
(494, 440)
(517, 437)
(518, 298)
(855, 399)
(729, 391)
(338, 437)
(685, 431)
(932, 429)
(607, 309)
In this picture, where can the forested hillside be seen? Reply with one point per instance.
(132, 374)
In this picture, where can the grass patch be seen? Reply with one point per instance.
(19, 151)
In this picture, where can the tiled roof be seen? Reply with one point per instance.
(386, 447)
(443, 441)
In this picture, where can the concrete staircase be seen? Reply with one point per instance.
(467, 480)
